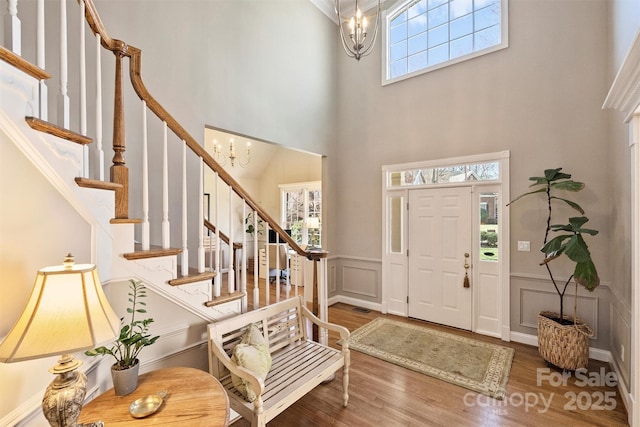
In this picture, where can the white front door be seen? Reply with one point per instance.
(440, 236)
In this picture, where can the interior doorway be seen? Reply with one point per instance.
(445, 251)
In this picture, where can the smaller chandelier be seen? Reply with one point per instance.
(355, 44)
(221, 157)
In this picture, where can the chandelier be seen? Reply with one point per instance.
(221, 157)
(355, 44)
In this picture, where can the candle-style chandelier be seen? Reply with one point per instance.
(221, 157)
(355, 43)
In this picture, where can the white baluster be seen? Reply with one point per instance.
(13, 32)
(322, 298)
(166, 228)
(231, 272)
(201, 252)
(287, 267)
(83, 91)
(99, 112)
(278, 268)
(243, 262)
(185, 248)
(267, 290)
(217, 283)
(40, 62)
(63, 97)
(256, 288)
(145, 180)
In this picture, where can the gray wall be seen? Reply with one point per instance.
(229, 64)
(540, 98)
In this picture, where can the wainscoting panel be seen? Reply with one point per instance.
(531, 294)
(358, 278)
(621, 336)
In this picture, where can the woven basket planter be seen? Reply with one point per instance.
(565, 346)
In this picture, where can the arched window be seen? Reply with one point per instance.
(423, 35)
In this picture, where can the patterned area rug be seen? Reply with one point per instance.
(476, 365)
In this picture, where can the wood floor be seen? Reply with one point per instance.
(386, 395)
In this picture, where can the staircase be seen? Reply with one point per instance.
(165, 187)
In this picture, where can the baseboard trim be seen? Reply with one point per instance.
(625, 395)
(375, 306)
(594, 353)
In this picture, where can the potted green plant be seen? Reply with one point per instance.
(134, 336)
(564, 340)
(250, 228)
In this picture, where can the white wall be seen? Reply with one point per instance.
(38, 227)
(624, 23)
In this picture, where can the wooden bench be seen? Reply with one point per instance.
(299, 364)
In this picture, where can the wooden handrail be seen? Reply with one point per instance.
(120, 48)
(22, 64)
(223, 236)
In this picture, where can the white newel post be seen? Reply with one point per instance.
(166, 228)
(185, 249)
(63, 96)
(145, 181)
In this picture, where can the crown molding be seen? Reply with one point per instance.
(328, 8)
(624, 94)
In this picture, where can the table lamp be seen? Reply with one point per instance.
(66, 312)
(313, 223)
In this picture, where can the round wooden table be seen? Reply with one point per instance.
(194, 398)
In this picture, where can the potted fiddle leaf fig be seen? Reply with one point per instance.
(134, 336)
(563, 340)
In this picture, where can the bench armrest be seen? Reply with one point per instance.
(257, 384)
(344, 332)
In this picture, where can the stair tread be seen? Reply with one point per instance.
(152, 252)
(192, 277)
(94, 183)
(22, 64)
(224, 297)
(55, 130)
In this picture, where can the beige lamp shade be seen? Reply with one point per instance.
(66, 312)
(313, 222)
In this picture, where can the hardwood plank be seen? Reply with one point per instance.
(383, 394)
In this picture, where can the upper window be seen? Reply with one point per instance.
(423, 35)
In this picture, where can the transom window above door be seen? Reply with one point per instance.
(423, 35)
(489, 171)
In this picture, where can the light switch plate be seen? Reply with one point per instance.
(524, 245)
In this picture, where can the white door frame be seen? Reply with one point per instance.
(394, 298)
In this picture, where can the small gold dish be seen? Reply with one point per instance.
(147, 405)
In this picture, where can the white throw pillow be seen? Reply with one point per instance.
(251, 353)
